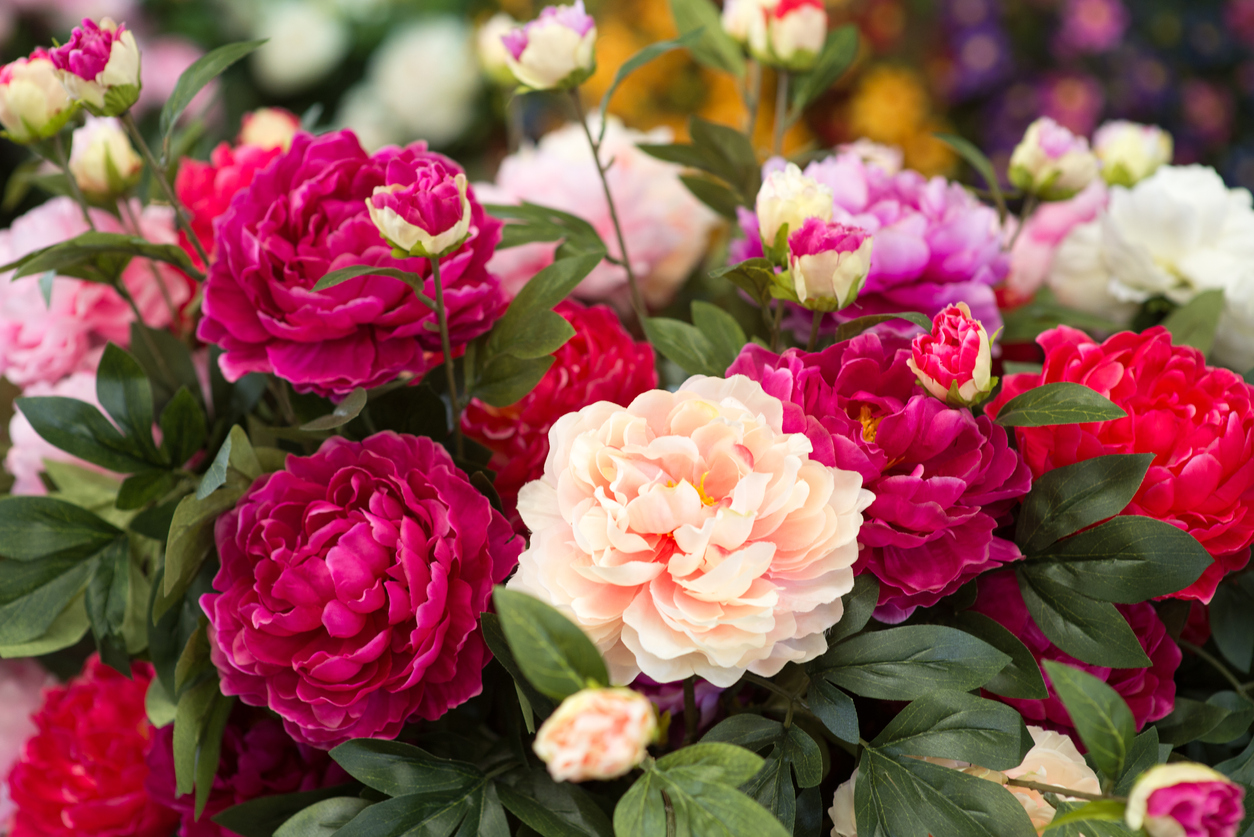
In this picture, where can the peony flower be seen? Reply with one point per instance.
(600, 363)
(1149, 692)
(42, 341)
(1129, 152)
(102, 159)
(25, 458)
(1177, 233)
(794, 34)
(269, 128)
(82, 774)
(1091, 26)
(100, 66)
(304, 43)
(1183, 799)
(351, 586)
(554, 51)
(955, 361)
(596, 734)
(743, 19)
(303, 216)
(787, 200)
(828, 263)
(1051, 162)
(942, 477)
(1034, 250)
(1197, 421)
(423, 207)
(493, 57)
(688, 533)
(258, 759)
(665, 227)
(22, 683)
(889, 158)
(33, 102)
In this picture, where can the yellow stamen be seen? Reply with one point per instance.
(870, 423)
(705, 498)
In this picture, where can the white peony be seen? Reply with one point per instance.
(306, 41)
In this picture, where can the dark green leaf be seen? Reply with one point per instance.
(641, 812)
(1194, 323)
(834, 708)
(138, 490)
(738, 161)
(725, 335)
(838, 54)
(1088, 630)
(1142, 755)
(183, 428)
(1232, 619)
(851, 329)
(654, 50)
(494, 636)
(753, 276)
(167, 363)
(681, 154)
(540, 817)
(809, 820)
(323, 818)
(79, 428)
(34, 594)
(713, 194)
(1086, 827)
(563, 800)
(859, 605)
(507, 379)
(1100, 716)
(1237, 724)
(210, 749)
(719, 763)
(344, 274)
(398, 769)
(97, 257)
(235, 454)
(800, 750)
(753, 732)
(65, 631)
(191, 541)
(772, 788)
(344, 412)
(107, 593)
(1065, 500)
(1099, 810)
(956, 725)
(684, 344)
(544, 334)
(205, 69)
(715, 48)
(543, 291)
(1189, 720)
(1021, 678)
(580, 237)
(44, 527)
(554, 653)
(122, 389)
(262, 816)
(715, 809)
(1059, 403)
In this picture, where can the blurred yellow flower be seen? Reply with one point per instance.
(891, 105)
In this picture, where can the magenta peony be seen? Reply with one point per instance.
(304, 216)
(351, 587)
(423, 206)
(954, 362)
(1150, 692)
(1182, 799)
(941, 476)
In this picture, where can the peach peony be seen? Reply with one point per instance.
(1053, 760)
(596, 734)
(687, 533)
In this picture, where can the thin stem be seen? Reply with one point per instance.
(758, 680)
(1059, 791)
(690, 710)
(64, 164)
(158, 174)
(781, 109)
(1217, 665)
(670, 814)
(279, 390)
(152, 266)
(753, 96)
(441, 314)
(1029, 206)
(813, 342)
(637, 301)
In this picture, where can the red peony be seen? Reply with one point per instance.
(1198, 422)
(600, 363)
(83, 772)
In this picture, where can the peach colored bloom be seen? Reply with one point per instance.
(687, 533)
(596, 734)
(1053, 760)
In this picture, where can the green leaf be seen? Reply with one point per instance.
(949, 724)
(1127, 559)
(1065, 500)
(193, 710)
(975, 157)
(1100, 716)
(772, 788)
(1194, 323)
(494, 636)
(720, 328)
(713, 194)
(33, 594)
(737, 161)
(1237, 724)
(1232, 619)
(641, 812)
(79, 428)
(1060, 403)
(548, 224)
(834, 708)
(507, 379)
(205, 69)
(654, 50)
(236, 454)
(97, 257)
(476, 809)
(851, 329)
(753, 276)
(579, 813)
(543, 291)
(859, 605)
(684, 344)
(122, 389)
(715, 48)
(321, 819)
(753, 732)
(1086, 827)
(167, 363)
(44, 527)
(344, 274)
(262, 816)
(1189, 720)
(908, 662)
(839, 51)
(108, 591)
(210, 749)
(70, 626)
(183, 428)
(539, 816)
(553, 652)
(138, 490)
(718, 763)
(1109, 810)
(1021, 678)
(191, 541)
(1088, 630)
(1142, 755)
(344, 412)
(398, 769)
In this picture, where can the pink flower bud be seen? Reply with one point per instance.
(596, 734)
(954, 362)
(424, 207)
(554, 51)
(33, 103)
(1051, 162)
(268, 128)
(794, 34)
(1185, 800)
(829, 262)
(99, 66)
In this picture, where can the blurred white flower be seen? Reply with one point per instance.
(427, 76)
(306, 42)
(363, 111)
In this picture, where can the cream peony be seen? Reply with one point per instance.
(102, 159)
(787, 198)
(687, 533)
(596, 734)
(1131, 152)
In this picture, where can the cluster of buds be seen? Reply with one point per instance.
(788, 34)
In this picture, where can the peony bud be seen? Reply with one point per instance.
(554, 51)
(268, 128)
(596, 734)
(99, 66)
(1185, 800)
(493, 56)
(955, 361)
(829, 263)
(787, 198)
(793, 36)
(1131, 152)
(424, 207)
(102, 160)
(741, 18)
(33, 103)
(1051, 162)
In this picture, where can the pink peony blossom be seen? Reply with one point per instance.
(596, 734)
(954, 362)
(22, 683)
(423, 206)
(1182, 799)
(665, 227)
(1150, 692)
(942, 477)
(1035, 248)
(304, 216)
(690, 533)
(25, 459)
(100, 66)
(829, 263)
(351, 587)
(45, 342)
(556, 50)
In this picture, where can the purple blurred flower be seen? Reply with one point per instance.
(982, 60)
(1074, 100)
(1090, 26)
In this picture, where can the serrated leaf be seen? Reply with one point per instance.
(1058, 403)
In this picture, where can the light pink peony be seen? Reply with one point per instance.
(21, 693)
(25, 459)
(41, 342)
(1034, 249)
(664, 225)
(828, 262)
(687, 533)
(954, 362)
(596, 734)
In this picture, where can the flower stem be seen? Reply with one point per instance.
(813, 342)
(62, 163)
(781, 109)
(1060, 791)
(152, 266)
(1030, 204)
(1216, 664)
(753, 96)
(158, 174)
(637, 301)
(775, 324)
(690, 710)
(441, 314)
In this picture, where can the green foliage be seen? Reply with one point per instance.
(838, 54)
(553, 653)
(714, 47)
(1194, 323)
(1085, 628)
(1102, 719)
(721, 152)
(1067, 499)
(1232, 619)
(794, 754)
(204, 70)
(97, 257)
(706, 347)
(1021, 678)
(1059, 403)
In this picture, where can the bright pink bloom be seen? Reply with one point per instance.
(304, 216)
(206, 189)
(600, 363)
(1202, 809)
(941, 477)
(1150, 692)
(1197, 421)
(828, 262)
(1091, 26)
(954, 361)
(83, 773)
(351, 587)
(423, 207)
(86, 53)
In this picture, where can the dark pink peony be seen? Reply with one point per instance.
(258, 759)
(600, 363)
(86, 53)
(351, 587)
(1198, 422)
(423, 207)
(1150, 692)
(1196, 809)
(941, 476)
(304, 216)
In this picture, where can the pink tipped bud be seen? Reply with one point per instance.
(955, 361)
(1051, 162)
(423, 208)
(554, 51)
(829, 263)
(33, 103)
(99, 66)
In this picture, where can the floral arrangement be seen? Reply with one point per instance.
(354, 498)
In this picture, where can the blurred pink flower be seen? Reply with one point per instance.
(25, 459)
(1033, 252)
(21, 692)
(1091, 26)
(1073, 100)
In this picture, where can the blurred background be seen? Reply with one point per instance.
(399, 70)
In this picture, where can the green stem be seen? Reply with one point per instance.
(781, 110)
(447, 347)
(758, 680)
(152, 266)
(64, 164)
(1060, 791)
(690, 710)
(1029, 206)
(670, 814)
(158, 174)
(753, 96)
(775, 325)
(1217, 665)
(813, 342)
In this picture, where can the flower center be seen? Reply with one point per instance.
(706, 499)
(870, 423)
